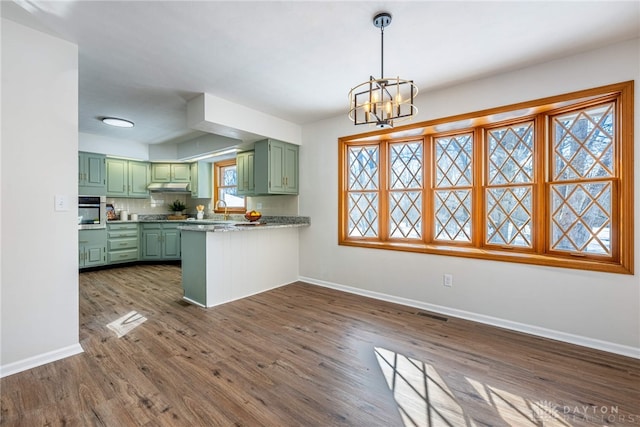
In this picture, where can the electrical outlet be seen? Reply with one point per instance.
(447, 280)
(258, 206)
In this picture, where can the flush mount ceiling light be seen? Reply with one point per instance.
(382, 101)
(114, 121)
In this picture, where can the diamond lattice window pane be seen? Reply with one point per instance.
(511, 154)
(406, 165)
(405, 214)
(581, 217)
(229, 176)
(453, 160)
(363, 214)
(583, 144)
(509, 216)
(363, 168)
(453, 215)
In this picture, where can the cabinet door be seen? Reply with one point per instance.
(195, 181)
(201, 180)
(276, 167)
(291, 168)
(117, 177)
(244, 168)
(151, 244)
(92, 247)
(91, 174)
(180, 172)
(161, 172)
(81, 168)
(94, 170)
(171, 244)
(138, 179)
(94, 255)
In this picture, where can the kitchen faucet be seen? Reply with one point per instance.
(217, 206)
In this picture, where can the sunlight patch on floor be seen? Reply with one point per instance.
(126, 323)
(424, 398)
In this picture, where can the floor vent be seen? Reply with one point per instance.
(432, 316)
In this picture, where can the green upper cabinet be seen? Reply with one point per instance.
(160, 172)
(276, 167)
(138, 179)
(127, 178)
(244, 169)
(117, 177)
(91, 174)
(201, 180)
(170, 172)
(181, 172)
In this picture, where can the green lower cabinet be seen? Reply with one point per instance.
(160, 241)
(92, 247)
(122, 243)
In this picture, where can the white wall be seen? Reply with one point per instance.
(594, 309)
(113, 147)
(39, 298)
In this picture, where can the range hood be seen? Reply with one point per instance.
(169, 187)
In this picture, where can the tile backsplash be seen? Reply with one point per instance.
(157, 204)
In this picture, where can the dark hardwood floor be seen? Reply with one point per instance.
(302, 355)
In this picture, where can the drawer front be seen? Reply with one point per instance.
(152, 226)
(172, 226)
(114, 245)
(121, 226)
(122, 234)
(122, 256)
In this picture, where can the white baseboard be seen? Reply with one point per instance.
(489, 320)
(39, 360)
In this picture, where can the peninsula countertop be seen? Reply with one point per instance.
(221, 225)
(212, 226)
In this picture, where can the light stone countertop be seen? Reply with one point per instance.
(238, 226)
(220, 225)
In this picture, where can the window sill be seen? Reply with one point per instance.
(578, 263)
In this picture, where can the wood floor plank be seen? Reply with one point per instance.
(302, 355)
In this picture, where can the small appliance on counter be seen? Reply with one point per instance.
(111, 212)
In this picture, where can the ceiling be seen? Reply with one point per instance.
(297, 60)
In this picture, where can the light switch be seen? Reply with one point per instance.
(61, 203)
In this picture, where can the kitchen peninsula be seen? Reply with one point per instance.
(224, 262)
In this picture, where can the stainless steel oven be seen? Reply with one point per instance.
(92, 212)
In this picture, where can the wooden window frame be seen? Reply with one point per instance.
(217, 168)
(538, 111)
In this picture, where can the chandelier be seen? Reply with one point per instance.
(382, 101)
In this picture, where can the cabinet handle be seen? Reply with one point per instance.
(122, 244)
(83, 241)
